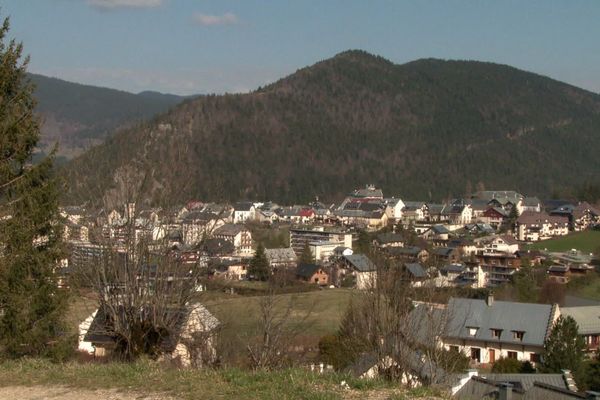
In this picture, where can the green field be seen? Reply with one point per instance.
(586, 241)
(320, 311)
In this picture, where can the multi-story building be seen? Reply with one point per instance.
(299, 238)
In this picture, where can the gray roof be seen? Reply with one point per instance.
(389, 237)
(503, 196)
(532, 319)
(285, 254)
(416, 270)
(453, 268)
(307, 270)
(361, 262)
(531, 202)
(439, 229)
(229, 229)
(587, 318)
(525, 381)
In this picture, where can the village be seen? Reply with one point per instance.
(480, 244)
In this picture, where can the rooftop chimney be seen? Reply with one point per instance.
(490, 299)
(505, 391)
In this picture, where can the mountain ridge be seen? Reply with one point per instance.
(424, 129)
(78, 116)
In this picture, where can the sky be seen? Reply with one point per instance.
(201, 46)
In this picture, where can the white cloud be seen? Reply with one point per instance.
(114, 4)
(212, 20)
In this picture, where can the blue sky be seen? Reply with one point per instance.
(197, 46)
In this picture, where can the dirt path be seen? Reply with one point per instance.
(66, 393)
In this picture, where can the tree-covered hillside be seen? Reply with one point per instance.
(80, 116)
(426, 129)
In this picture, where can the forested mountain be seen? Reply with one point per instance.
(80, 116)
(422, 130)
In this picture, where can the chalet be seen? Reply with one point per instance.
(408, 254)
(369, 215)
(494, 216)
(217, 247)
(479, 207)
(502, 243)
(239, 235)
(506, 199)
(389, 240)
(533, 227)
(393, 208)
(486, 330)
(415, 273)
(414, 211)
(243, 211)
(191, 322)
(479, 228)
(312, 273)
(529, 204)
(197, 225)
(281, 258)
(452, 271)
(436, 232)
(585, 216)
(235, 270)
(588, 321)
(362, 268)
(459, 214)
(445, 255)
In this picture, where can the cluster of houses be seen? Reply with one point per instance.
(472, 242)
(475, 242)
(487, 330)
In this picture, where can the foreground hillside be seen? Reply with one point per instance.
(426, 129)
(79, 116)
(148, 380)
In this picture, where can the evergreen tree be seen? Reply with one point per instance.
(306, 256)
(363, 243)
(564, 348)
(259, 265)
(525, 283)
(32, 305)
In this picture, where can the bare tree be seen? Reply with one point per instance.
(143, 292)
(400, 325)
(278, 326)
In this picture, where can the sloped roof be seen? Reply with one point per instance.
(389, 237)
(229, 229)
(100, 328)
(361, 262)
(587, 318)
(526, 381)
(533, 319)
(243, 206)
(285, 254)
(307, 270)
(416, 270)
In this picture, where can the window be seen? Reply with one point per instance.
(472, 330)
(518, 335)
(496, 333)
(534, 358)
(512, 354)
(453, 349)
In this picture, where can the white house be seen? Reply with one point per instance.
(243, 211)
(487, 330)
